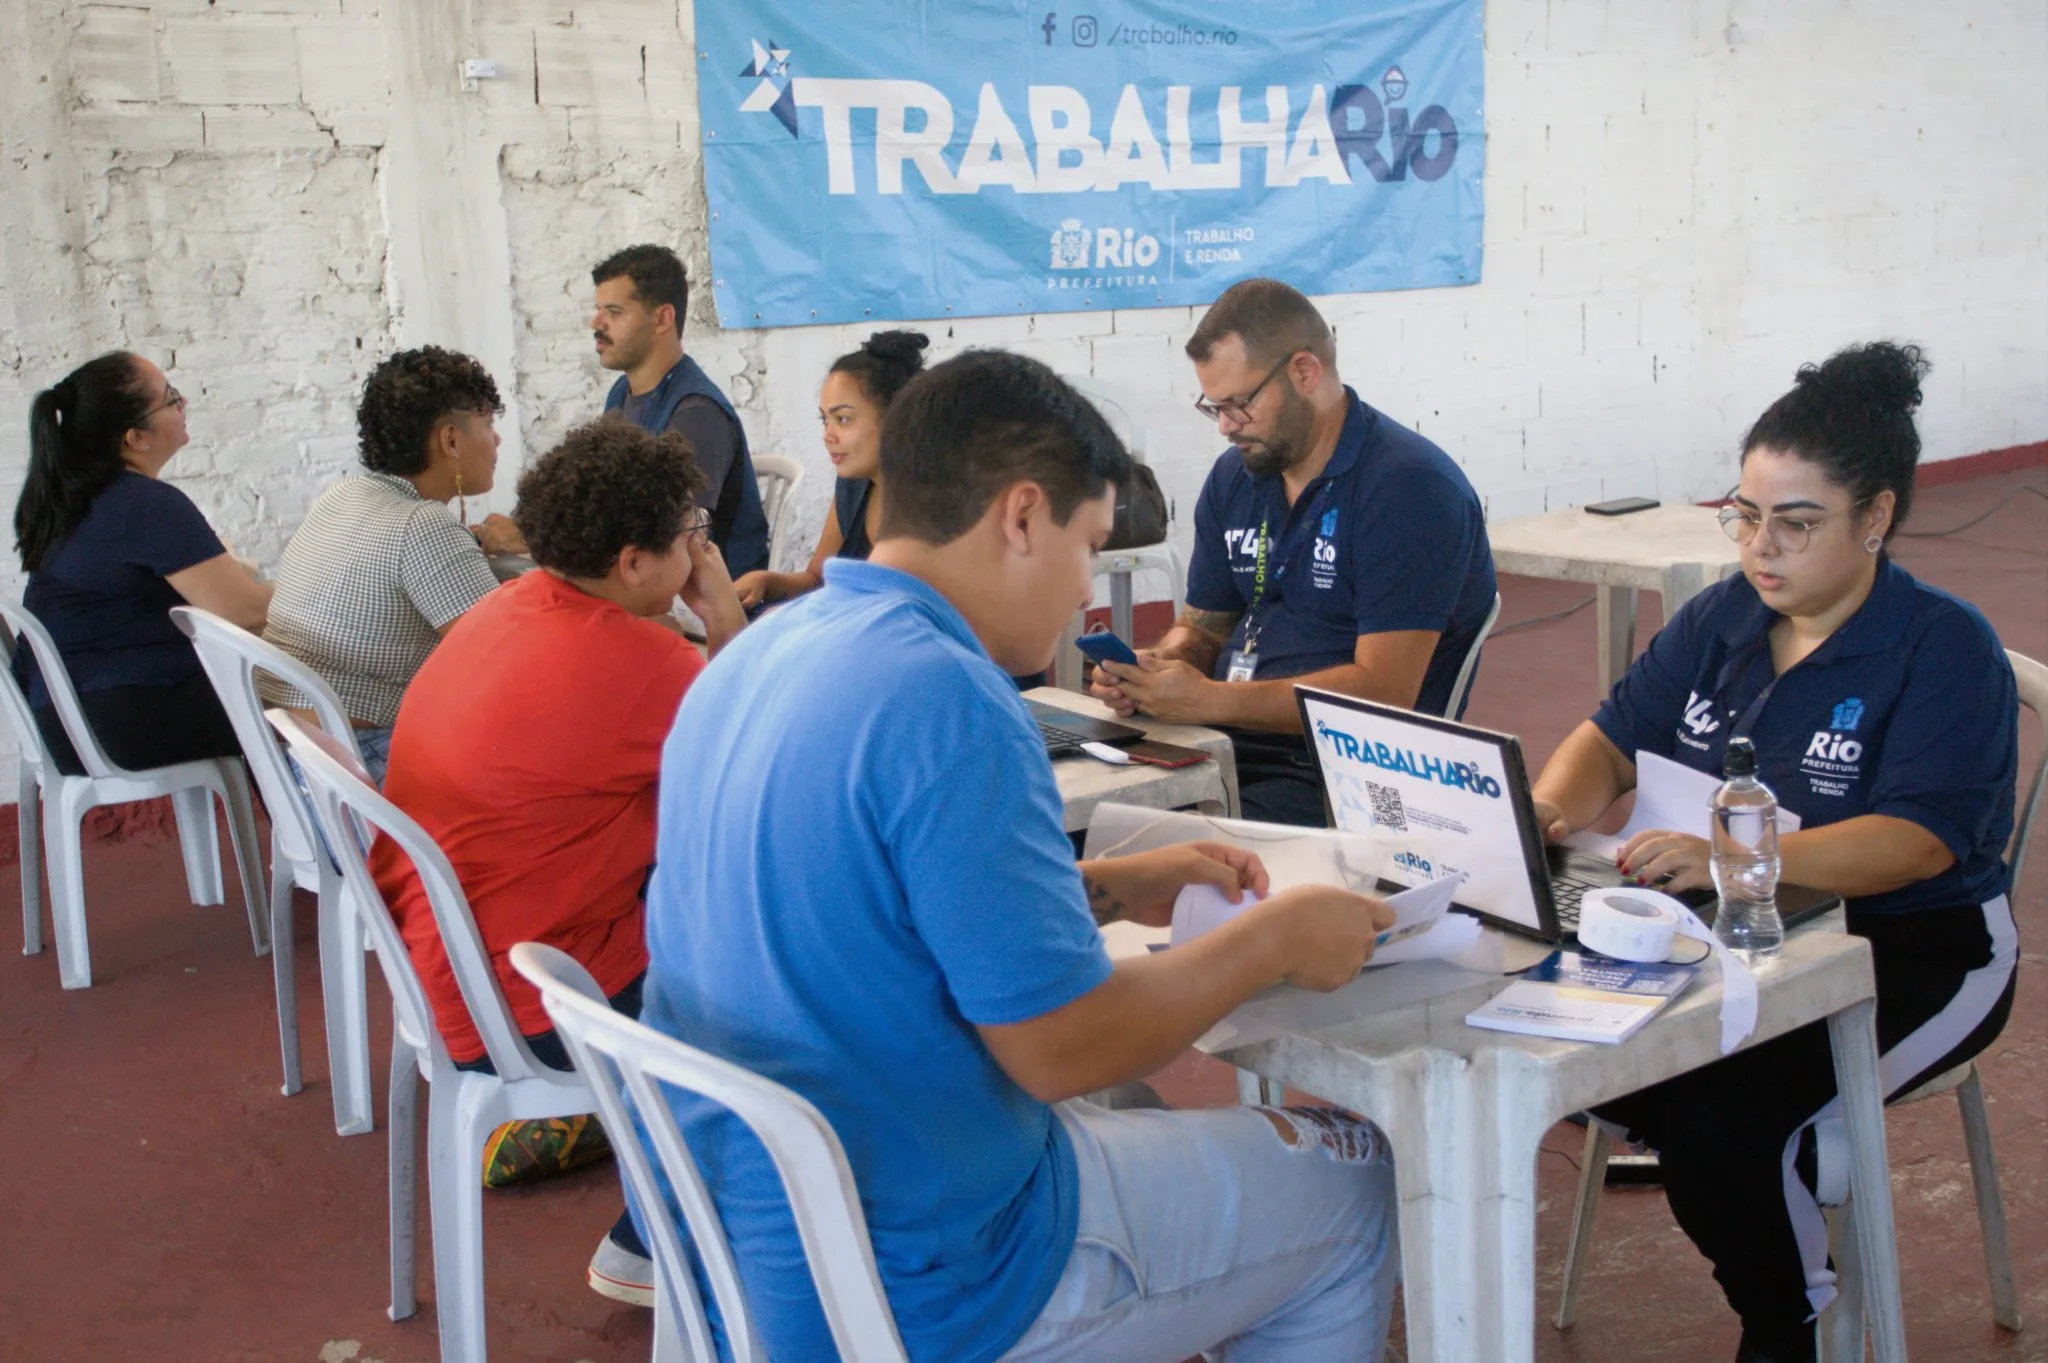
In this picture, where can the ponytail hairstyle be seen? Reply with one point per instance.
(76, 430)
(884, 363)
(1853, 417)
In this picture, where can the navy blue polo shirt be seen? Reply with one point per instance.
(1390, 536)
(102, 594)
(1908, 710)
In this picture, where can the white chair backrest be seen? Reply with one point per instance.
(28, 735)
(57, 681)
(1471, 663)
(624, 1062)
(1118, 409)
(351, 812)
(2032, 678)
(232, 656)
(777, 475)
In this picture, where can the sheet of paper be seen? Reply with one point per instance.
(1668, 795)
(1202, 909)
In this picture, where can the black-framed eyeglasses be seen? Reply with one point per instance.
(1239, 409)
(697, 522)
(172, 398)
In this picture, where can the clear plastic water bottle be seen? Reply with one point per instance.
(1745, 851)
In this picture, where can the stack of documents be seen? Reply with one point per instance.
(1583, 998)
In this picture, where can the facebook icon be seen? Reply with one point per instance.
(1051, 26)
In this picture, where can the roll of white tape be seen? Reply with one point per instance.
(1628, 924)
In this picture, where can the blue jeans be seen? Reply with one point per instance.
(1205, 1231)
(375, 746)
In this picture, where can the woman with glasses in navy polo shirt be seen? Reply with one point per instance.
(110, 548)
(1884, 714)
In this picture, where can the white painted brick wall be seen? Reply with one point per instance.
(1680, 210)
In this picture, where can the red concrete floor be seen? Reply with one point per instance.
(163, 1202)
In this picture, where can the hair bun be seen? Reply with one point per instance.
(905, 348)
(1881, 374)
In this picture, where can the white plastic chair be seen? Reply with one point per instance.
(464, 1106)
(1471, 664)
(1842, 1324)
(624, 1060)
(232, 656)
(191, 787)
(777, 476)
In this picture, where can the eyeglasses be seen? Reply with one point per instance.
(172, 398)
(697, 523)
(1792, 534)
(1239, 409)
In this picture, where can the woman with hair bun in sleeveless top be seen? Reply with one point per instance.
(855, 397)
(1883, 713)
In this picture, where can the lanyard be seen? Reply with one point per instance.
(1251, 614)
(1743, 661)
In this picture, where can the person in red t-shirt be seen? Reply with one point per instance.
(529, 743)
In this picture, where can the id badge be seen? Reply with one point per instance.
(1243, 665)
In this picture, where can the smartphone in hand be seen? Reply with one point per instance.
(1106, 648)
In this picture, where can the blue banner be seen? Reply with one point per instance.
(899, 159)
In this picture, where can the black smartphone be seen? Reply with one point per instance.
(1621, 506)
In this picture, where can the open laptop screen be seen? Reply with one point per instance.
(1459, 793)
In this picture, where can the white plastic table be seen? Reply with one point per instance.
(1675, 551)
(1085, 783)
(1464, 1110)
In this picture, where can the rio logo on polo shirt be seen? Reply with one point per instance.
(1323, 557)
(1832, 761)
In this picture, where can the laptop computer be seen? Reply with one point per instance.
(1064, 731)
(1464, 792)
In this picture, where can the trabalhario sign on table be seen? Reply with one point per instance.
(902, 159)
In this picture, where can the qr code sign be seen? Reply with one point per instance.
(1387, 810)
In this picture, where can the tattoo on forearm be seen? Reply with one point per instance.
(1209, 631)
(1215, 625)
(1106, 906)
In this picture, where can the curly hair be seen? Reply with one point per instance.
(608, 485)
(407, 395)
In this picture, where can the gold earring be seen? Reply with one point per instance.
(461, 502)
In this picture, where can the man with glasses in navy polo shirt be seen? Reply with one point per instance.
(1333, 547)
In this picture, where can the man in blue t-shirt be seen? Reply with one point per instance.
(1333, 547)
(863, 892)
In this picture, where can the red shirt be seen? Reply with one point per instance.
(528, 747)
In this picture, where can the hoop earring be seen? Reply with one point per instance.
(1872, 543)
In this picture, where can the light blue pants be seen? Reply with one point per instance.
(1205, 1232)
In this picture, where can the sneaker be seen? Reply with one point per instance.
(622, 1275)
(521, 1152)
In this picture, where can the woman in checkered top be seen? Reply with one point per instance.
(380, 570)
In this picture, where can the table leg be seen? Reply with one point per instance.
(1465, 1172)
(1616, 609)
(1853, 1034)
(1066, 659)
(1120, 605)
